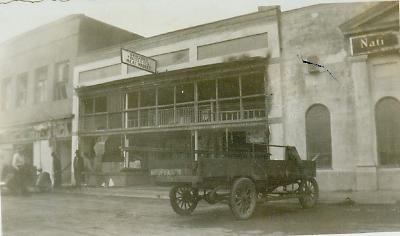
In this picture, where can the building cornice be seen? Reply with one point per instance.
(358, 25)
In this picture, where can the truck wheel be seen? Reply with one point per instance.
(309, 192)
(183, 199)
(243, 198)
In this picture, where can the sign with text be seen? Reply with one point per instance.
(371, 43)
(139, 61)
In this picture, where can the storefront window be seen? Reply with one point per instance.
(112, 151)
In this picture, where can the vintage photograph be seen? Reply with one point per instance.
(174, 117)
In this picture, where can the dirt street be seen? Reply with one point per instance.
(75, 214)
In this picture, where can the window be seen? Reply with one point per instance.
(112, 152)
(184, 93)
(22, 90)
(252, 84)
(206, 90)
(318, 135)
(6, 93)
(253, 107)
(88, 105)
(95, 105)
(41, 85)
(387, 114)
(234, 141)
(228, 87)
(166, 96)
(148, 98)
(231, 46)
(100, 104)
(133, 100)
(93, 114)
(61, 81)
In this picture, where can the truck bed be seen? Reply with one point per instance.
(256, 168)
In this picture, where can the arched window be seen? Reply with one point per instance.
(318, 135)
(387, 118)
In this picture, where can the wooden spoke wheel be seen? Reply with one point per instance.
(183, 199)
(309, 192)
(243, 198)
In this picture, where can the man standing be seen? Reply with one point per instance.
(56, 170)
(78, 169)
(18, 163)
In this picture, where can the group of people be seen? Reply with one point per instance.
(20, 174)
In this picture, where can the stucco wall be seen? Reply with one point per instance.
(59, 41)
(314, 31)
(27, 61)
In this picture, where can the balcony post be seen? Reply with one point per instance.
(216, 101)
(126, 152)
(175, 121)
(107, 120)
(196, 144)
(139, 108)
(240, 99)
(196, 108)
(124, 113)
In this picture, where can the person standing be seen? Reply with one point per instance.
(56, 170)
(78, 169)
(18, 164)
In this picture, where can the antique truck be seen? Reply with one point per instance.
(241, 180)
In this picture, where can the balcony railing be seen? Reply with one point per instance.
(164, 117)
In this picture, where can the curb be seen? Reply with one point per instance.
(147, 195)
(340, 199)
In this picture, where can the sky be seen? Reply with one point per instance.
(144, 17)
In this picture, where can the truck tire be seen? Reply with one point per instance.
(309, 192)
(183, 199)
(243, 198)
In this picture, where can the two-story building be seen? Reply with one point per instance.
(36, 87)
(228, 84)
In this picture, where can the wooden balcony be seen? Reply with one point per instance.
(150, 118)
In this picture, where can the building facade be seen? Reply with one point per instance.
(36, 87)
(226, 85)
(338, 118)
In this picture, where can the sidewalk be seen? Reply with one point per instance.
(161, 192)
(155, 192)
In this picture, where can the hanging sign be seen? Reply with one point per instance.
(139, 61)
